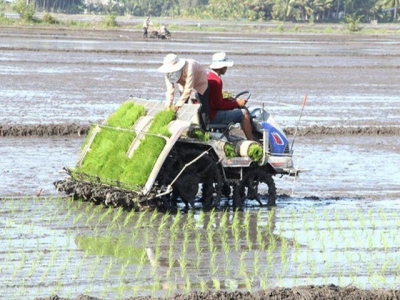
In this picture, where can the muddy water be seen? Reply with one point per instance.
(336, 223)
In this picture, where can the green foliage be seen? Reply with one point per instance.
(50, 19)
(110, 20)
(255, 152)
(26, 11)
(201, 135)
(352, 22)
(229, 150)
(126, 115)
(3, 18)
(108, 158)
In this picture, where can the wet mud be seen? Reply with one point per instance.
(306, 292)
(56, 82)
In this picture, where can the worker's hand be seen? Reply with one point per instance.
(241, 102)
(176, 108)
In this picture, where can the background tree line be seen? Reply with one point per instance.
(279, 10)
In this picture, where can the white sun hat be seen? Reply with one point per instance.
(220, 60)
(172, 63)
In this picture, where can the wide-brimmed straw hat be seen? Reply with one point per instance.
(220, 60)
(172, 63)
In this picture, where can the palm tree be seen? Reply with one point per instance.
(391, 4)
(319, 8)
(282, 9)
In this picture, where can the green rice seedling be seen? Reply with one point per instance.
(382, 216)
(183, 264)
(263, 283)
(153, 217)
(216, 284)
(117, 214)
(270, 222)
(210, 239)
(44, 275)
(249, 283)
(384, 242)
(236, 230)
(93, 268)
(200, 220)
(128, 217)
(199, 250)
(77, 218)
(203, 284)
(32, 269)
(107, 270)
(224, 220)
(140, 221)
(104, 215)
(255, 152)
(53, 258)
(248, 239)
(107, 157)
(246, 222)
(90, 218)
(185, 241)
(226, 247)
(229, 150)
(211, 222)
(256, 262)
(67, 261)
(23, 259)
(213, 257)
(199, 134)
(123, 270)
(241, 264)
(171, 260)
(177, 219)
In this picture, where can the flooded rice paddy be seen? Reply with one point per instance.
(335, 224)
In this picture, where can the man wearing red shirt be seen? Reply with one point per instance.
(225, 110)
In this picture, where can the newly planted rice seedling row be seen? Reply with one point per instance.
(112, 253)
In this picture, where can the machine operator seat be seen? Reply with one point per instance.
(204, 118)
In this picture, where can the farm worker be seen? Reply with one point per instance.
(189, 75)
(225, 110)
(146, 25)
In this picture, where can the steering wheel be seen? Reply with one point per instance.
(247, 97)
(247, 93)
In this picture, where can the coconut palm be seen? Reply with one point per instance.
(282, 9)
(391, 4)
(320, 8)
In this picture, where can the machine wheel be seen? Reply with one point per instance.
(205, 170)
(248, 188)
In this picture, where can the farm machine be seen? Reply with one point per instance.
(145, 157)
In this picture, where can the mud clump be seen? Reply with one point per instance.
(99, 194)
(302, 292)
(43, 130)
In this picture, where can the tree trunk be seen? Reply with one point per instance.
(337, 9)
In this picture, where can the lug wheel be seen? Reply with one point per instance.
(248, 188)
(200, 169)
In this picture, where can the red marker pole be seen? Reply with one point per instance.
(298, 122)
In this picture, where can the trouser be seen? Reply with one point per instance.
(204, 109)
(144, 32)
